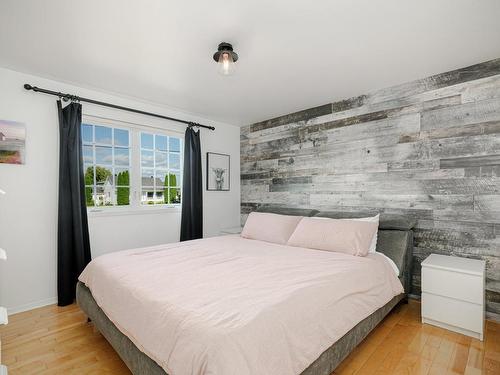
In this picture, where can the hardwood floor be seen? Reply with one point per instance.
(55, 340)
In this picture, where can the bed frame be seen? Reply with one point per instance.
(395, 239)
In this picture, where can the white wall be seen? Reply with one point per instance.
(28, 213)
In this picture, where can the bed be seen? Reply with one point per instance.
(203, 324)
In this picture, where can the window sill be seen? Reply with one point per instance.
(115, 211)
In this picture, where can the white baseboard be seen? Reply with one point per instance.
(31, 305)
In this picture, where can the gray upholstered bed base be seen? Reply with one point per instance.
(140, 364)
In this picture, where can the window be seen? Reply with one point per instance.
(106, 160)
(129, 166)
(160, 169)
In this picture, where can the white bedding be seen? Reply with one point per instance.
(391, 262)
(228, 305)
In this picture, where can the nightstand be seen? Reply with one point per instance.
(232, 230)
(453, 294)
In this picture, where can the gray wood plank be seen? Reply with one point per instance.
(293, 117)
(472, 161)
(487, 202)
(461, 114)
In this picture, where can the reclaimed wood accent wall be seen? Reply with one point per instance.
(429, 149)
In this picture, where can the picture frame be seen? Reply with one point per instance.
(218, 172)
(12, 142)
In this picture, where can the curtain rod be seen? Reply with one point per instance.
(67, 97)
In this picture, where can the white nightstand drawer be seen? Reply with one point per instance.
(465, 287)
(453, 312)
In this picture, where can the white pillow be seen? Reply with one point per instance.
(270, 227)
(371, 219)
(352, 237)
(374, 219)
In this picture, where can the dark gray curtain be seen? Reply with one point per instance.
(192, 188)
(73, 245)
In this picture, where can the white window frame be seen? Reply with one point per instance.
(135, 206)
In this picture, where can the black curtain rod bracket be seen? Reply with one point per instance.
(67, 97)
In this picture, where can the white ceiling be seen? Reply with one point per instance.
(293, 54)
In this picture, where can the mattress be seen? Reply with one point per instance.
(229, 305)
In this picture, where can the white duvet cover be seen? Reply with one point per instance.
(228, 305)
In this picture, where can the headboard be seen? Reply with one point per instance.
(395, 234)
(287, 211)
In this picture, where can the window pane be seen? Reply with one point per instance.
(161, 142)
(87, 133)
(147, 196)
(160, 177)
(161, 160)
(122, 156)
(104, 195)
(89, 174)
(159, 183)
(88, 154)
(122, 177)
(148, 177)
(175, 162)
(147, 159)
(160, 197)
(103, 135)
(147, 141)
(103, 155)
(174, 144)
(103, 175)
(122, 196)
(174, 179)
(174, 196)
(89, 196)
(121, 137)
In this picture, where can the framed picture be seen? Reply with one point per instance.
(218, 172)
(12, 142)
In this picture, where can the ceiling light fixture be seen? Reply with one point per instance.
(226, 58)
